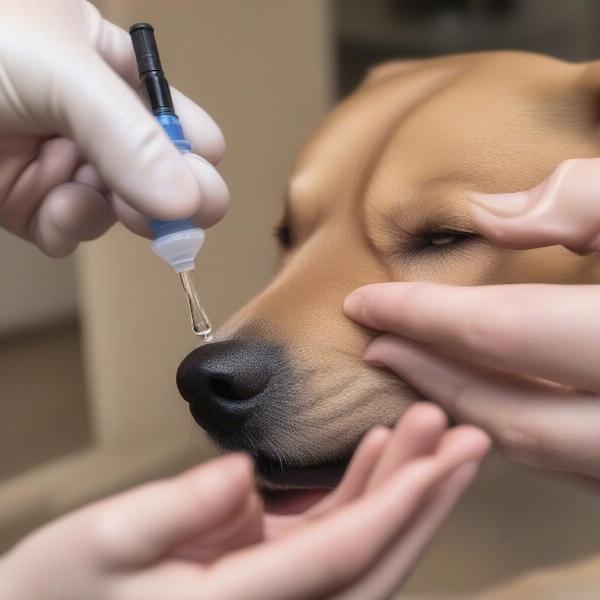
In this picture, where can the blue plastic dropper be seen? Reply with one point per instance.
(176, 242)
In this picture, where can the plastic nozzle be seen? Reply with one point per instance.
(179, 248)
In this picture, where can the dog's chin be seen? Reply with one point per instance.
(288, 487)
(292, 489)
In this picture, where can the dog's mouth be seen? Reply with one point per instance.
(293, 489)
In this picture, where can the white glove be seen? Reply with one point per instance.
(78, 150)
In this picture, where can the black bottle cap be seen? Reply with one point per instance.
(149, 67)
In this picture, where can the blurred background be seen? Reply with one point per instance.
(89, 346)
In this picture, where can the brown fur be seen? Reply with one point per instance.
(393, 162)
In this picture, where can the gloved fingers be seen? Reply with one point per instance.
(88, 175)
(132, 219)
(112, 43)
(214, 206)
(70, 213)
(115, 47)
(122, 140)
(563, 209)
(34, 170)
(215, 194)
(199, 127)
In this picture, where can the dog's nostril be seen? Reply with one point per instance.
(224, 381)
(222, 388)
(230, 388)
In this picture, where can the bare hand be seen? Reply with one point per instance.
(205, 535)
(519, 361)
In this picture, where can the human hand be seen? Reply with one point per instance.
(519, 361)
(204, 534)
(78, 149)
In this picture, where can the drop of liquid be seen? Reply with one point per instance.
(200, 322)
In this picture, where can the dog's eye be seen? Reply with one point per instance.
(283, 235)
(437, 241)
(442, 239)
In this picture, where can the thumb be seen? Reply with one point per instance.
(563, 209)
(142, 525)
(119, 137)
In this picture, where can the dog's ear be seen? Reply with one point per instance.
(389, 69)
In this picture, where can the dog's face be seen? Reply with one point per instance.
(380, 194)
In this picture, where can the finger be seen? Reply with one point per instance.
(122, 140)
(215, 194)
(133, 219)
(214, 205)
(357, 474)
(200, 128)
(243, 529)
(560, 210)
(112, 43)
(142, 525)
(546, 331)
(395, 567)
(418, 433)
(115, 47)
(41, 172)
(70, 213)
(326, 555)
(533, 422)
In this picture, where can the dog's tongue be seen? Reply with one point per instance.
(291, 502)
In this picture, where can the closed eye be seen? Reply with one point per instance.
(442, 241)
(443, 238)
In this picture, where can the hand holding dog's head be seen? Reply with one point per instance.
(380, 193)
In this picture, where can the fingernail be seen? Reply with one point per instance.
(354, 305)
(373, 362)
(502, 205)
(371, 357)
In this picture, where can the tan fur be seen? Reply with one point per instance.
(395, 160)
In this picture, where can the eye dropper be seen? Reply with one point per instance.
(176, 242)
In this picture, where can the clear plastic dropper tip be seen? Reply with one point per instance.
(200, 322)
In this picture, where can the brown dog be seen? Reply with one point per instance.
(380, 194)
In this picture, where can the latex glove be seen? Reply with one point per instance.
(205, 535)
(78, 149)
(520, 361)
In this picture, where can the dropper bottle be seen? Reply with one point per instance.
(176, 242)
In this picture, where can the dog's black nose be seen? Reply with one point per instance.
(223, 381)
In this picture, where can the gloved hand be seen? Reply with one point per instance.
(519, 361)
(205, 534)
(78, 150)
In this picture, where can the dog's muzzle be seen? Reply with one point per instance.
(236, 388)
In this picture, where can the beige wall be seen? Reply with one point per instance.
(262, 69)
(35, 290)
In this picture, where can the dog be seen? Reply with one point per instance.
(378, 194)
